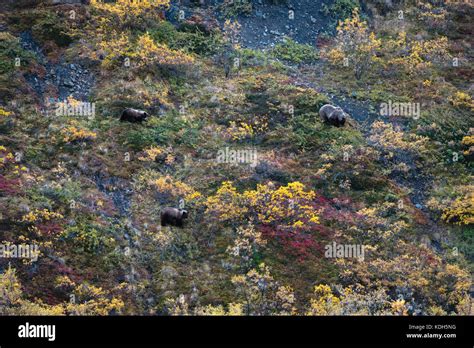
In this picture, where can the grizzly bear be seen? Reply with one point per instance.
(133, 115)
(173, 216)
(332, 115)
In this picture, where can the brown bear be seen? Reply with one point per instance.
(333, 115)
(133, 115)
(173, 216)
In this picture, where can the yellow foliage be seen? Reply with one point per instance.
(468, 140)
(145, 52)
(92, 300)
(399, 308)
(324, 302)
(263, 295)
(130, 8)
(427, 83)
(227, 203)
(461, 211)
(4, 113)
(391, 139)
(462, 99)
(151, 153)
(175, 188)
(40, 215)
(421, 54)
(115, 46)
(150, 52)
(13, 303)
(234, 309)
(247, 242)
(240, 132)
(289, 203)
(356, 43)
(231, 33)
(335, 56)
(74, 132)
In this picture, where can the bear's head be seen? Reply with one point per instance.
(143, 115)
(339, 117)
(184, 214)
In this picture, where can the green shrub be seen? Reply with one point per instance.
(309, 102)
(50, 26)
(87, 237)
(140, 138)
(188, 38)
(340, 9)
(294, 52)
(9, 50)
(234, 8)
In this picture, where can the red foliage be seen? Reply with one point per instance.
(338, 209)
(310, 239)
(49, 228)
(298, 242)
(8, 186)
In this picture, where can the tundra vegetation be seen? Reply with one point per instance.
(89, 191)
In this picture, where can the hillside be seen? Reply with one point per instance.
(286, 214)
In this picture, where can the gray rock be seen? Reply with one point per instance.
(68, 83)
(168, 272)
(24, 208)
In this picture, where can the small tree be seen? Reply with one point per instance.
(355, 45)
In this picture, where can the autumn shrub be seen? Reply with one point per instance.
(88, 299)
(8, 186)
(301, 243)
(354, 300)
(291, 205)
(130, 14)
(174, 190)
(462, 100)
(143, 55)
(461, 210)
(414, 273)
(421, 56)
(75, 133)
(362, 51)
(435, 17)
(390, 139)
(227, 204)
(468, 144)
(355, 43)
(43, 222)
(260, 294)
(13, 301)
(246, 245)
